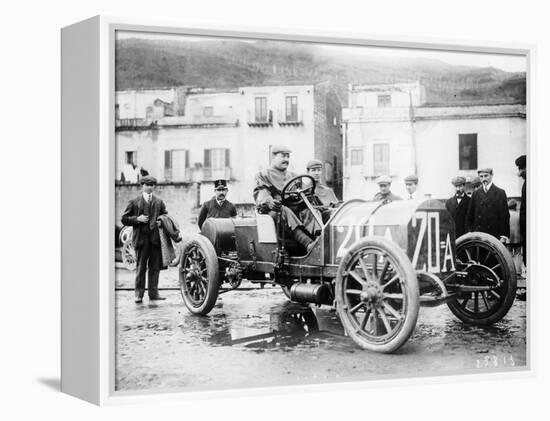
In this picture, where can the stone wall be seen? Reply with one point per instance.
(181, 199)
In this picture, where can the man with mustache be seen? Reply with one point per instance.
(142, 214)
(458, 205)
(488, 210)
(218, 206)
(268, 196)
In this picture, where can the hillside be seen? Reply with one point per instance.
(229, 64)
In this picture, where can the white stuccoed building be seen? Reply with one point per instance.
(196, 135)
(390, 129)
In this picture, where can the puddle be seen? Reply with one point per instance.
(280, 326)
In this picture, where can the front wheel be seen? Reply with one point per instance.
(199, 275)
(491, 282)
(377, 296)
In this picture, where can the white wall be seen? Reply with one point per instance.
(500, 141)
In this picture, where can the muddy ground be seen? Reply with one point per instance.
(256, 337)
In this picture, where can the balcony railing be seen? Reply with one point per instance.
(260, 121)
(197, 175)
(290, 120)
(132, 123)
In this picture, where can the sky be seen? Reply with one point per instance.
(509, 63)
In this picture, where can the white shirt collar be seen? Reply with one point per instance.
(147, 196)
(220, 203)
(488, 186)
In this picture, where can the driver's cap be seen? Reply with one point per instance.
(275, 149)
(314, 163)
(383, 179)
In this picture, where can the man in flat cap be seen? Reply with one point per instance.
(141, 214)
(488, 209)
(324, 193)
(411, 185)
(385, 195)
(218, 206)
(267, 196)
(521, 163)
(458, 205)
(472, 184)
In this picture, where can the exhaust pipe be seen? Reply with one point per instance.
(311, 293)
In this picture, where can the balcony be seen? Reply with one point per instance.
(290, 120)
(133, 124)
(263, 121)
(201, 121)
(196, 175)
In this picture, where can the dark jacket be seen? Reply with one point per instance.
(211, 209)
(139, 206)
(171, 227)
(523, 211)
(488, 212)
(458, 212)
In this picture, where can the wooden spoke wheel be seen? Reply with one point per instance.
(129, 256)
(491, 283)
(377, 294)
(199, 275)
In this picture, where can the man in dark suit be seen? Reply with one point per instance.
(218, 206)
(141, 214)
(521, 163)
(488, 210)
(458, 205)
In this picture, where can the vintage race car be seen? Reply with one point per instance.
(375, 263)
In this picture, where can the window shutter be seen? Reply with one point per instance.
(207, 163)
(167, 159)
(186, 159)
(227, 160)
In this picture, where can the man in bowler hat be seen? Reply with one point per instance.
(141, 214)
(458, 205)
(488, 210)
(218, 206)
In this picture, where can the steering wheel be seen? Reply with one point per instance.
(291, 194)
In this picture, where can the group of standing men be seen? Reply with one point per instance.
(485, 210)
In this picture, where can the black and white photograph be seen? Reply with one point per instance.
(294, 213)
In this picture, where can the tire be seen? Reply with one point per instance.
(389, 294)
(199, 275)
(484, 257)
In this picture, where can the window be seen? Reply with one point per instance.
(260, 109)
(217, 159)
(291, 108)
(357, 157)
(175, 164)
(384, 100)
(131, 157)
(467, 151)
(381, 158)
(208, 111)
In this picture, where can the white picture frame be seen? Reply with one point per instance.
(88, 168)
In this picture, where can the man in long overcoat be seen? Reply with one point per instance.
(458, 205)
(488, 210)
(141, 214)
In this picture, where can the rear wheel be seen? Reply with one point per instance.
(491, 279)
(377, 295)
(199, 275)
